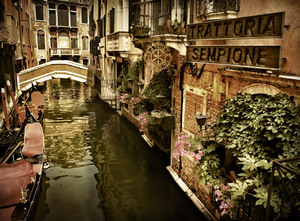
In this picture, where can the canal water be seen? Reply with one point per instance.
(100, 167)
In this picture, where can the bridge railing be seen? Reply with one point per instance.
(65, 51)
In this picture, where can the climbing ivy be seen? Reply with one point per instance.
(160, 84)
(135, 70)
(258, 129)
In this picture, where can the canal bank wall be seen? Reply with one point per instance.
(192, 195)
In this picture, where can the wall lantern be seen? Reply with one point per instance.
(141, 85)
(130, 81)
(201, 119)
(160, 98)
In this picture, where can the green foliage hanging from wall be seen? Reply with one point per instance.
(135, 70)
(130, 73)
(160, 84)
(258, 129)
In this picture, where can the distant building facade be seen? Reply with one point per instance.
(60, 30)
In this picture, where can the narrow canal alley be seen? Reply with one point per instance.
(100, 167)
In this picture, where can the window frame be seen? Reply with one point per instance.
(35, 12)
(37, 39)
(73, 12)
(58, 15)
(87, 43)
(87, 17)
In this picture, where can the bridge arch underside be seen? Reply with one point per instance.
(26, 85)
(51, 70)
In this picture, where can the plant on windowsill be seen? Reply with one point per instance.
(162, 119)
(176, 27)
(140, 29)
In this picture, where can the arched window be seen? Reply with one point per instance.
(63, 15)
(63, 40)
(84, 17)
(39, 13)
(41, 39)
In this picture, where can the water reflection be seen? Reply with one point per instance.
(101, 169)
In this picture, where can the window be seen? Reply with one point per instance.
(41, 39)
(85, 61)
(73, 15)
(63, 15)
(83, 15)
(39, 13)
(53, 42)
(84, 43)
(52, 14)
(112, 20)
(74, 43)
(42, 61)
(214, 6)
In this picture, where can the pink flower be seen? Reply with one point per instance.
(218, 193)
(224, 187)
(223, 212)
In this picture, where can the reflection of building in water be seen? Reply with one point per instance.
(68, 119)
(120, 188)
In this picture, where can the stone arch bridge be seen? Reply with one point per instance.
(49, 70)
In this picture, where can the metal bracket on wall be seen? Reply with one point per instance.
(192, 69)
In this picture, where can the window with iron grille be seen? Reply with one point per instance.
(63, 15)
(204, 7)
(39, 13)
(41, 39)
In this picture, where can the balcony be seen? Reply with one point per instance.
(161, 17)
(65, 51)
(118, 42)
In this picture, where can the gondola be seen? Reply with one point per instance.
(10, 131)
(21, 170)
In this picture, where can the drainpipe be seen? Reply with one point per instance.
(20, 31)
(181, 108)
(181, 89)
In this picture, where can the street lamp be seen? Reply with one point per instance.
(160, 98)
(201, 119)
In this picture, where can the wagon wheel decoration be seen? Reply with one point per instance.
(158, 56)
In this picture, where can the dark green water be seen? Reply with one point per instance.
(100, 167)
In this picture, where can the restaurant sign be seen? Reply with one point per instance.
(260, 26)
(265, 57)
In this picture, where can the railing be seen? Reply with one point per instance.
(290, 184)
(119, 41)
(65, 51)
(108, 89)
(164, 25)
(161, 17)
(244, 211)
(204, 7)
